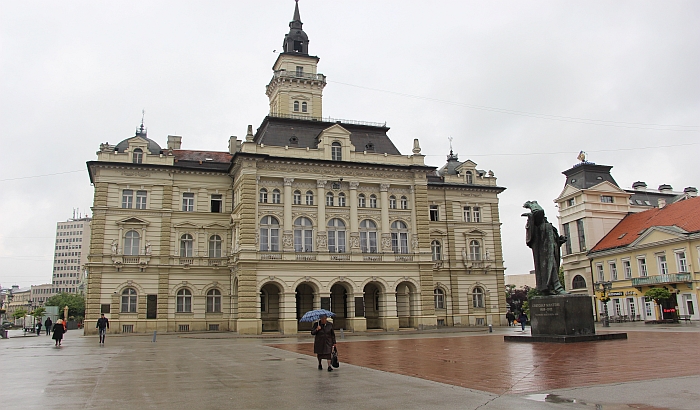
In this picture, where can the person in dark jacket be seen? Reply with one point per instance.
(522, 319)
(48, 323)
(324, 343)
(38, 328)
(102, 325)
(510, 317)
(58, 331)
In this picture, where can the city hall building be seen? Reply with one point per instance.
(305, 213)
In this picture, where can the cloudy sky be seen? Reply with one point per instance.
(520, 86)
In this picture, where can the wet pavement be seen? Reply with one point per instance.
(409, 371)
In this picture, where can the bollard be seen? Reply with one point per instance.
(154, 336)
(490, 328)
(342, 334)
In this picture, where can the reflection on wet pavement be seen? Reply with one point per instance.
(553, 398)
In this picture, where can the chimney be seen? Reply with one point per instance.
(662, 203)
(665, 188)
(234, 145)
(174, 142)
(416, 147)
(691, 191)
(639, 186)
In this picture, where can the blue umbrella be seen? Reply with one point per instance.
(314, 315)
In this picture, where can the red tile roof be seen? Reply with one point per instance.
(683, 214)
(189, 155)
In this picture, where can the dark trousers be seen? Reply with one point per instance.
(48, 330)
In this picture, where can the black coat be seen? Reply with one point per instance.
(325, 338)
(57, 331)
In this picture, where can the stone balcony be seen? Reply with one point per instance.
(340, 257)
(662, 279)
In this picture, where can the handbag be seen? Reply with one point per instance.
(334, 358)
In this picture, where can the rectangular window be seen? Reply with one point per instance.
(581, 236)
(571, 202)
(606, 199)
(477, 214)
(127, 198)
(467, 214)
(217, 203)
(188, 201)
(434, 213)
(141, 199)
(618, 307)
(642, 262)
(300, 71)
(681, 261)
(647, 310)
(601, 272)
(613, 271)
(567, 233)
(297, 198)
(627, 268)
(663, 266)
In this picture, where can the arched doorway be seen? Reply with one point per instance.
(270, 297)
(339, 305)
(373, 305)
(304, 302)
(406, 302)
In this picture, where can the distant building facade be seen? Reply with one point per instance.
(70, 255)
(305, 213)
(40, 293)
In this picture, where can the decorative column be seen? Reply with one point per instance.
(321, 238)
(414, 223)
(288, 233)
(354, 222)
(388, 316)
(386, 227)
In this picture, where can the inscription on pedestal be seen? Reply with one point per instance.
(567, 315)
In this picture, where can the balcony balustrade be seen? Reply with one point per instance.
(659, 279)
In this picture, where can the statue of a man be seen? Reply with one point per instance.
(546, 243)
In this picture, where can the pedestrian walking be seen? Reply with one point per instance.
(102, 325)
(522, 319)
(510, 317)
(324, 342)
(48, 323)
(58, 331)
(38, 328)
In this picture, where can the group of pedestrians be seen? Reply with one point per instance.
(522, 319)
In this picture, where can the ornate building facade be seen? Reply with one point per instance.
(305, 213)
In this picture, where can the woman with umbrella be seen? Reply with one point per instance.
(324, 343)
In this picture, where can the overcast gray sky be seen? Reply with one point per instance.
(516, 84)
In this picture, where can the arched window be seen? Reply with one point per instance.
(296, 106)
(269, 234)
(392, 202)
(341, 199)
(304, 107)
(474, 250)
(336, 151)
(215, 246)
(336, 235)
(578, 283)
(436, 248)
(137, 157)
(372, 201)
(276, 196)
(214, 301)
(309, 198)
(186, 245)
(184, 301)
(469, 177)
(439, 296)
(368, 236)
(129, 300)
(303, 235)
(478, 297)
(399, 237)
(361, 201)
(329, 199)
(297, 197)
(131, 243)
(263, 195)
(404, 202)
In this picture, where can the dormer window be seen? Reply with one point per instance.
(336, 151)
(304, 107)
(469, 177)
(300, 70)
(137, 156)
(294, 140)
(296, 106)
(369, 147)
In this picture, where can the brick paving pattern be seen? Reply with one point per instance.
(489, 364)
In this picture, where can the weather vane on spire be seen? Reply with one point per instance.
(450, 139)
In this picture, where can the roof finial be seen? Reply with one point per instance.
(450, 138)
(141, 130)
(297, 17)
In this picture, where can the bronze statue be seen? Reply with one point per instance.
(546, 243)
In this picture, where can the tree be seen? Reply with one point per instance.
(20, 312)
(658, 295)
(516, 297)
(75, 303)
(38, 312)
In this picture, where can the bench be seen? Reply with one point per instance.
(684, 317)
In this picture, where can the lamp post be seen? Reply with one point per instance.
(604, 287)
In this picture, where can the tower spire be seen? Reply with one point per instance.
(297, 17)
(296, 41)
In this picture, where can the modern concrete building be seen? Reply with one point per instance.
(70, 255)
(307, 212)
(40, 293)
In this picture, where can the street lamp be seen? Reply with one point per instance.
(604, 287)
